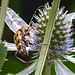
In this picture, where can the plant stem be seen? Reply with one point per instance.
(2, 15)
(48, 67)
(47, 37)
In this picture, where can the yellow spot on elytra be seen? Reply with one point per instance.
(18, 44)
(19, 37)
(20, 50)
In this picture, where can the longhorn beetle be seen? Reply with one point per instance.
(20, 40)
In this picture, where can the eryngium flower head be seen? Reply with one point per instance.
(61, 41)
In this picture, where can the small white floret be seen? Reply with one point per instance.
(58, 23)
(47, 17)
(58, 32)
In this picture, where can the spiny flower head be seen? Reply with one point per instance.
(61, 39)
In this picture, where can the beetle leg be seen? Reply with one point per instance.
(21, 59)
(30, 29)
(34, 42)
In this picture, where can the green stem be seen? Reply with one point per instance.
(2, 15)
(48, 67)
(47, 37)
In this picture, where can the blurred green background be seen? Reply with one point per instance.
(25, 9)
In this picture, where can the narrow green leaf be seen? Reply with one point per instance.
(47, 37)
(3, 53)
(2, 15)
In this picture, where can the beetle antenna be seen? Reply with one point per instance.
(34, 14)
(17, 21)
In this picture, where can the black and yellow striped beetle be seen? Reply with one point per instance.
(20, 40)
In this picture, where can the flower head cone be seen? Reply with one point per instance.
(61, 40)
